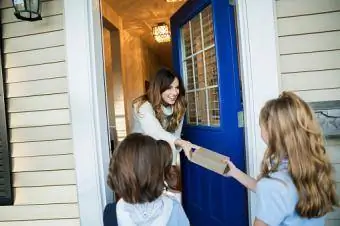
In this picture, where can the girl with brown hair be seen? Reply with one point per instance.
(160, 112)
(137, 172)
(296, 185)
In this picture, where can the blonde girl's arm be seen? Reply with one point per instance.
(258, 222)
(240, 176)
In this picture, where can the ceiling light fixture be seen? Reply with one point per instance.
(161, 33)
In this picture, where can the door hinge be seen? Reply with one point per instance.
(240, 119)
(232, 2)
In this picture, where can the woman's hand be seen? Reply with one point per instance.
(186, 146)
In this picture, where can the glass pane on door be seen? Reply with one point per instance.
(200, 70)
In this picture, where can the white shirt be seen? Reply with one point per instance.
(145, 121)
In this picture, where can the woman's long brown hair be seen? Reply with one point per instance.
(294, 133)
(160, 83)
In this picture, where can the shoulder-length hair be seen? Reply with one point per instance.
(137, 168)
(160, 83)
(294, 134)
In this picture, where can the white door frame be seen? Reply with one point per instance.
(86, 83)
(259, 72)
(260, 78)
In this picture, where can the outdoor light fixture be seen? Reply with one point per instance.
(161, 33)
(29, 10)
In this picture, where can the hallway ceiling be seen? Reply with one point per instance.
(140, 16)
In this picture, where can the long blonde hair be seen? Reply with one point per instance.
(161, 82)
(294, 134)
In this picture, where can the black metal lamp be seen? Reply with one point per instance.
(29, 10)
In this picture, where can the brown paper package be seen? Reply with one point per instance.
(210, 160)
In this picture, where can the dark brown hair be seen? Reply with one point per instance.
(171, 173)
(137, 168)
(294, 133)
(160, 83)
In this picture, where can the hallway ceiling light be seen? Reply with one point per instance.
(29, 10)
(161, 33)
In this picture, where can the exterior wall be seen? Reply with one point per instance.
(40, 127)
(309, 43)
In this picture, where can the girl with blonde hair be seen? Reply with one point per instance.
(296, 185)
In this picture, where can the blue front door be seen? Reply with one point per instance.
(205, 54)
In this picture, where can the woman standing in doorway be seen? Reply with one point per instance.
(160, 112)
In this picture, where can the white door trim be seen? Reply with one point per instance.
(259, 72)
(86, 83)
(260, 78)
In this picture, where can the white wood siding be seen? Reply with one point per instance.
(309, 45)
(309, 48)
(43, 167)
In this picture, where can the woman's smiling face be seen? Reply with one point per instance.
(170, 95)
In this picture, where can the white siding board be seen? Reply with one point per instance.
(38, 212)
(44, 178)
(309, 24)
(335, 215)
(286, 8)
(337, 172)
(43, 164)
(309, 42)
(39, 118)
(333, 142)
(53, 23)
(6, 4)
(40, 163)
(49, 8)
(40, 87)
(56, 222)
(38, 103)
(320, 95)
(332, 223)
(41, 148)
(333, 153)
(310, 61)
(38, 41)
(40, 133)
(311, 80)
(45, 195)
(36, 72)
(34, 57)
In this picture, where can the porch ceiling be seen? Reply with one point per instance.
(140, 16)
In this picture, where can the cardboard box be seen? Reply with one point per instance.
(210, 160)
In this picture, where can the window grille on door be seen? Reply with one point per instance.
(200, 70)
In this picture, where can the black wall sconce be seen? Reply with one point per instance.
(29, 10)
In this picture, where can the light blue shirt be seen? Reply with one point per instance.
(276, 198)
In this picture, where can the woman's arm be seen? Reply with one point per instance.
(179, 129)
(240, 176)
(152, 127)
